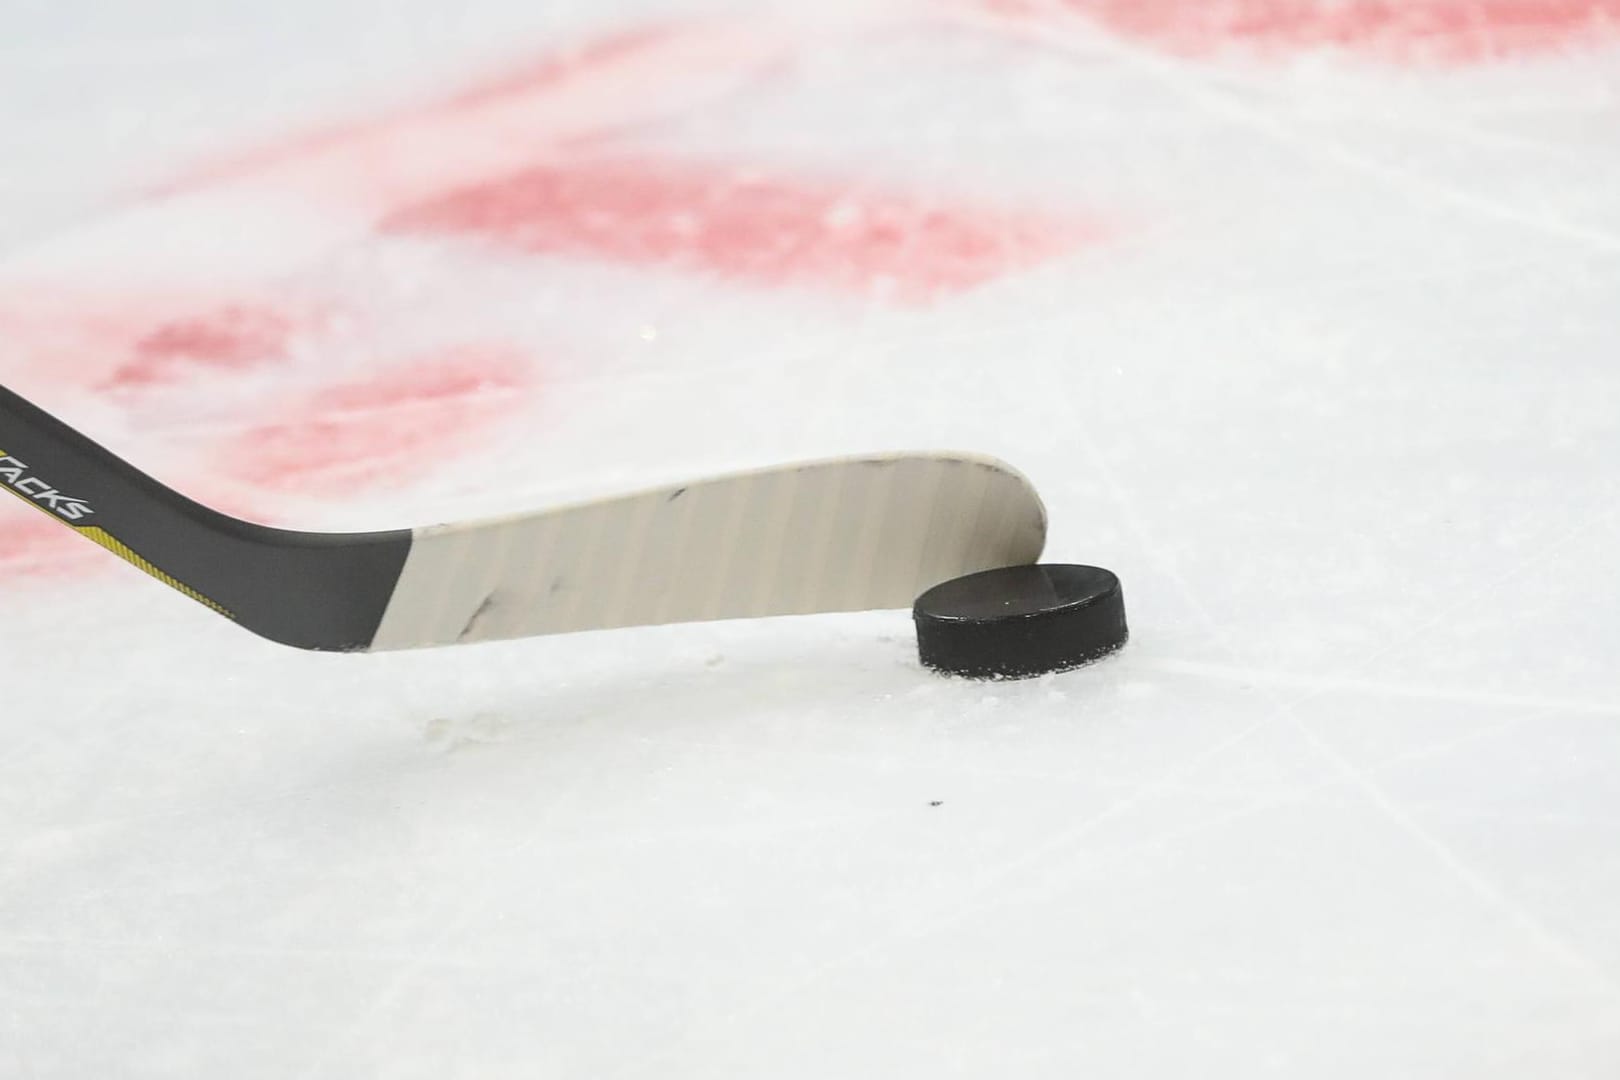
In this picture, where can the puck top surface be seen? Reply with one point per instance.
(1018, 621)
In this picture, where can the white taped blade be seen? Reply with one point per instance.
(851, 534)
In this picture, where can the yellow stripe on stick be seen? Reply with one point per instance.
(102, 538)
(97, 535)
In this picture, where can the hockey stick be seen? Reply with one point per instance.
(842, 535)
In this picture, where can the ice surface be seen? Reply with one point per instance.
(1302, 316)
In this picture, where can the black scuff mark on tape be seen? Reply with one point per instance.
(477, 617)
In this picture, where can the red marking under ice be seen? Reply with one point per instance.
(766, 230)
(57, 335)
(232, 338)
(464, 165)
(386, 427)
(336, 439)
(362, 137)
(133, 340)
(621, 82)
(41, 545)
(548, 72)
(1457, 31)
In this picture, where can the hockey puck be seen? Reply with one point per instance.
(1019, 621)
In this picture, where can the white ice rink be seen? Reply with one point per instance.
(1304, 317)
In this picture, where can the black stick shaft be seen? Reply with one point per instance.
(309, 590)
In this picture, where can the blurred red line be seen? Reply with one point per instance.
(761, 229)
(385, 427)
(32, 545)
(549, 73)
(234, 337)
(1407, 31)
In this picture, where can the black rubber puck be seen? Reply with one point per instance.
(1020, 621)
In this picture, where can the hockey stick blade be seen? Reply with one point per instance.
(847, 534)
